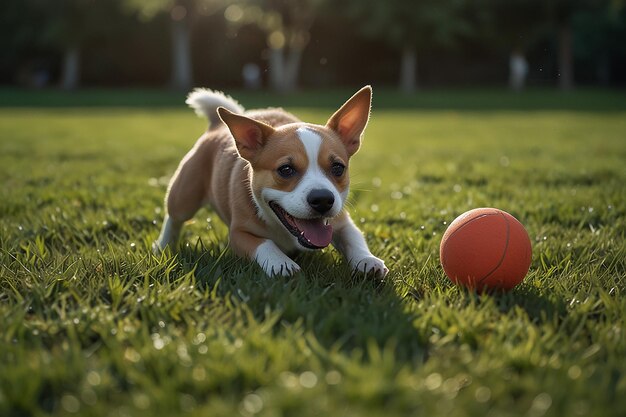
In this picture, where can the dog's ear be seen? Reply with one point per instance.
(351, 119)
(250, 135)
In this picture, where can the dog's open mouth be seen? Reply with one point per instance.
(311, 233)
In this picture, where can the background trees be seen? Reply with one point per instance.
(180, 14)
(286, 27)
(296, 43)
(411, 27)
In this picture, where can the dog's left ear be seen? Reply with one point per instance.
(351, 119)
(250, 135)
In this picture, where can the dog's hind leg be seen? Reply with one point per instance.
(185, 196)
(169, 234)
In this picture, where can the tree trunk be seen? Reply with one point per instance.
(277, 69)
(181, 55)
(566, 60)
(292, 68)
(518, 70)
(284, 69)
(408, 70)
(70, 78)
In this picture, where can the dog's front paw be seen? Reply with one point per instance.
(279, 267)
(156, 248)
(370, 265)
(273, 261)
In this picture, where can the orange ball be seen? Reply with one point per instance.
(486, 248)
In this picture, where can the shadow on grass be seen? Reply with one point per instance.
(344, 311)
(538, 306)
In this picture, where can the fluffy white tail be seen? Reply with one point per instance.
(205, 103)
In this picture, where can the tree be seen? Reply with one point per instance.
(560, 13)
(412, 26)
(69, 25)
(286, 25)
(513, 25)
(182, 14)
(600, 37)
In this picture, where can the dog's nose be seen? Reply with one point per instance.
(321, 200)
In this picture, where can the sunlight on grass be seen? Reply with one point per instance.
(94, 324)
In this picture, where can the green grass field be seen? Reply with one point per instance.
(93, 324)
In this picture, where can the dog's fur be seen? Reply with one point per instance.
(279, 184)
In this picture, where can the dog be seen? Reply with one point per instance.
(280, 184)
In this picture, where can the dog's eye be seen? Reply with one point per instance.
(337, 169)
(286, 171)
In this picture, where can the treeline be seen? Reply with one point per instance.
(288, 44)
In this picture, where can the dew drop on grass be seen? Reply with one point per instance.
(288, 380)
(308, 379)
(333, 377)
(540, 404)
(157, 341)
(574, 372)
(252, 403)
(132, 355)
(482, 394)
(198, 373)
(433, 381)
(93, 378)
(141, 401)
(200, 338)
(374, 208)
(70, 403)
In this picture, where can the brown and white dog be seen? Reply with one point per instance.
(279, 184)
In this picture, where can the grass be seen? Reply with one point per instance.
(93, 324)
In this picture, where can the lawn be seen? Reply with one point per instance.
(93, 324)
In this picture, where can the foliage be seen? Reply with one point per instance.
(93, 324)
(424, 23)
(35, 33)
(513, 24)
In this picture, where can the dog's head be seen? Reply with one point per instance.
(300, 170)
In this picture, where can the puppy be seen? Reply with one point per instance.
(280, 184)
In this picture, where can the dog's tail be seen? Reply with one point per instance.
(205, 103)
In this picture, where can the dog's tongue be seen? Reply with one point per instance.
(316, 231)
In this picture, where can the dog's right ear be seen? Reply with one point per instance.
(250, 135)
